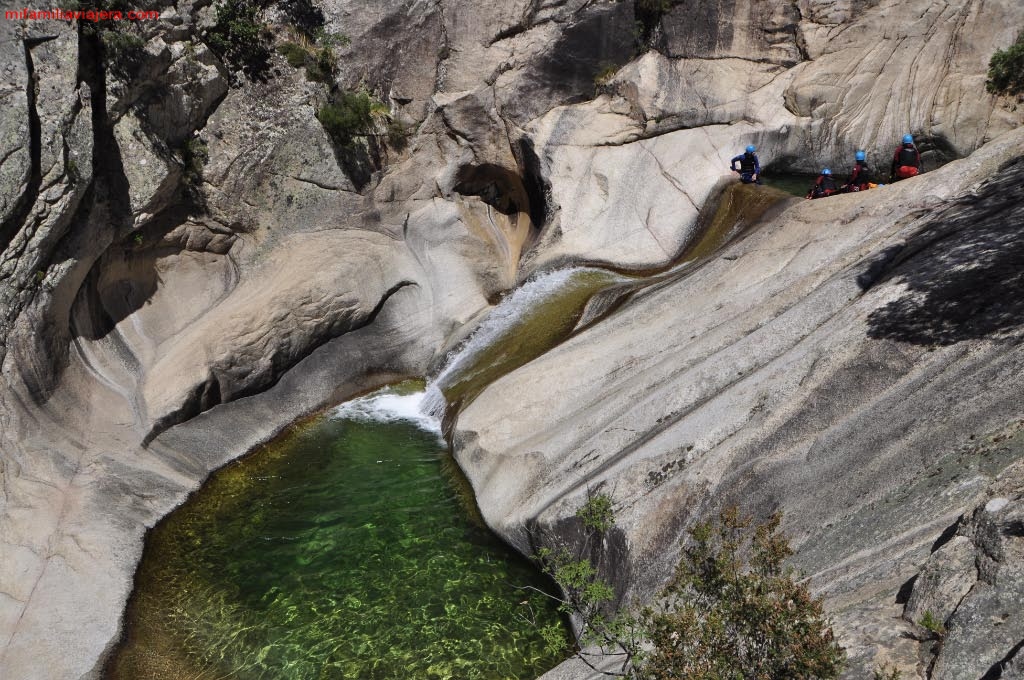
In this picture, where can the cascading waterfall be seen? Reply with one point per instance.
(549, 307)
(499, 322)
(528, 322)
(386, 406)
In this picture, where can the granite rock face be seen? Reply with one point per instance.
(188, 262)
(853, 363)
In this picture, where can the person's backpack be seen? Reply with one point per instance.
(909, 157)
(861, 175)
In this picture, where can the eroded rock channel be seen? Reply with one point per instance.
(195, 254)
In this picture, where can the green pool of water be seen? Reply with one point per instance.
(343, 550)
(794, 183)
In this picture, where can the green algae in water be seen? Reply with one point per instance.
(340, 551)
(794, 184)
(535, 318)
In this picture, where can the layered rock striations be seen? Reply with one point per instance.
(189, 261)
(854, 365)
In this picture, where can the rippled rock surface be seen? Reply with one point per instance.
(188, 263)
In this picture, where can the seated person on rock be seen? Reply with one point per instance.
(750, 166)
(860, 177)
(906, 162)
(824, 186)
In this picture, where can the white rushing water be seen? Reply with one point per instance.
(387, 406)
(505, 316)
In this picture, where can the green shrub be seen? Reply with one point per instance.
(887, 672)
(194, 157)
(347, 116)
(238, 37)
(1006, 70)
(605, 74)
(294, 54)
(732, 611)
(322, 66)
(597, 513)
(124, 52)
(725, 618)
(929, 622)
(588, 598)
(331, 39)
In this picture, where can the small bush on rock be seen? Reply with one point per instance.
(596, 513)
(1006, 70)
(194, 157)
(887, 672)
(238, 37)
(730, 618)
(589, 599)
(294, 54)
(930, 623)
(124, 52)
(322, 66)
(732, 611)
(347, 116)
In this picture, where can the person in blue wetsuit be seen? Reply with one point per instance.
(750, 166)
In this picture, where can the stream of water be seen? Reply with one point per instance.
(527, 323)
(549, 307)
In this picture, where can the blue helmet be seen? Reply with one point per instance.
(751, 148)
(826, 171)
(908, 139)
(859, 156)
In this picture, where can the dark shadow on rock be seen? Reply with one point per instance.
(498, 187)
(358, 158)
(699, 28)
(359, 163)
(947, 535)
(996, 671)
(608, 551)
(598, 39)
(537, 187)
(903, 594)
(936, 151)
(1014, 529)
(878, 267)
(123, 280)
(963, 271)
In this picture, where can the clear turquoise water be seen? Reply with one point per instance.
(344, 550)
